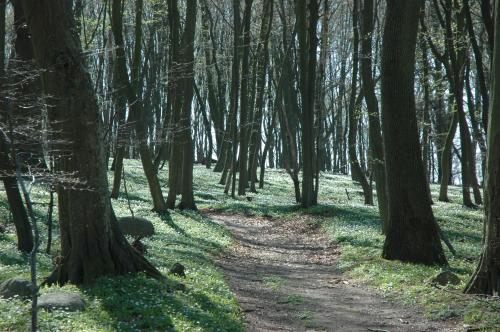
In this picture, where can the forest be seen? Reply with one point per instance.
(250, 165)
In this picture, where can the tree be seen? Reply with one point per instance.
(244, 99)
(136, 116)
(412, 234)
(376, 145)
(307, 20)
(7, 166)
(486, 279)
(356, 170)
(181, 156)
(16, 205)
(92, 244)
(262, 59)
(288, 109)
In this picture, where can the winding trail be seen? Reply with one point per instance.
(285, 279)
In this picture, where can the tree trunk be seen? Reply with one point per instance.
(16, 205)
(413, 233)
(23, 87)
(136, 109)
(356, 170)
(486, 279)
(235, 83)
(92, 244)
(446, 159)
(244, 102)
(187, 200)
(307, 19)
(262, 58)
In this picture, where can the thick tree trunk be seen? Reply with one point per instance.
(413, 233)
(486, 280)
(307, 19)
(92, 244)
(23, 88)
(181, 158)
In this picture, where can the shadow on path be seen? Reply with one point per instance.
(284, 276)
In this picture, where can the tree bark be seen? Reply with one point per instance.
(357, 173)
(307, 19)
(413, 233)
(136, 109)
(92, 244)
(486, 279)
(262, 58)
(14, 198)
(244, 100)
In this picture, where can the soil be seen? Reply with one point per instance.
(285, 278)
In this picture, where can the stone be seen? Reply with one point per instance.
(15, 287)
(178, 270)
(446, 277)
(61, 301)
(139, 246)
(136, 227)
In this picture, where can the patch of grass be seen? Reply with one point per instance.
(292, 300)
(356, 229)
(305, 315)
(132, 303)
(273, 282)
(135, 302)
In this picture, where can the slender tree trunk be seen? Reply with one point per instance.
(376, 145)
(244, 102)
(356, 170)
(216, 112)
(486, 279)
(16, 205)
(262, 58)
(187, 200)
(446, 159)
(478, 56)
(136, 109)
(235, 83)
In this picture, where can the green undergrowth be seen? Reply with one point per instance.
(133, 303)
(356, 229)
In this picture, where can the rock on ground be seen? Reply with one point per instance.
(15, 287)
(178, 270)
(136, 227)
(445, 278)
(61, 301)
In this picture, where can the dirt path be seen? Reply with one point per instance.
(284, 277)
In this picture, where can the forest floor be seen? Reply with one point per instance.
(312, 265)
(285, 278)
